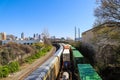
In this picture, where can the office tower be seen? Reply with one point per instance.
(22, 35)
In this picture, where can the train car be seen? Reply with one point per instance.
(66, 58)
(73, 48)
(66, 46)
(87, 72)
(77, 58)
(71, 53)
(58, 54)
(49, 70)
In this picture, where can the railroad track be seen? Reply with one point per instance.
(36, 64)
(25, 72)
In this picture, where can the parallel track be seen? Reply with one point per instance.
(24, 73)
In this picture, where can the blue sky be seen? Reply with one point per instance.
(58, 16)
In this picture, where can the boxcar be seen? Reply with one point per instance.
(73, 48)
(77, 58)
(87, 72)
(66, 58)
(66, 46)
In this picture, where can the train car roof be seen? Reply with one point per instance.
(76, 53)
(67, 46)
(41, 71)
(66, 51)
(87, 72)
(58, 53)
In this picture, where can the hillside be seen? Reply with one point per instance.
(104, 43)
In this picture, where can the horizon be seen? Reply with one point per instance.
(59, 17)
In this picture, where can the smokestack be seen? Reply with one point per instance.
(75, 33)
(79, 33)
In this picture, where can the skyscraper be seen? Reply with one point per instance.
(33, 36)
(22, 35)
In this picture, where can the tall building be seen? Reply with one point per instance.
(39, 36)
(22, 35)
(3, 36)
(34, 36)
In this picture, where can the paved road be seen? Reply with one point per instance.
(30, 68)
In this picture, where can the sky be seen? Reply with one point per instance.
(59, 17)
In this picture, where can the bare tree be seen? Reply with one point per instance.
(108, 10)
(46, 37)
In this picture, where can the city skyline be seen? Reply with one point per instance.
(58, 16)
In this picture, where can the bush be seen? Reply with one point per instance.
(13, 67)
(10, 68)
(4, 71)
(114, 35)
(29, 59)
(42, 52)
(103, 30)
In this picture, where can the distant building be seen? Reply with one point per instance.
(22, 36)
(3, 36)
(78, 39)
(10, 37)
(25, 42)
(34, 36)
(39, 36)
(53, 37)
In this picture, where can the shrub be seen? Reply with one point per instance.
(13, 67)
(114, 35)
(4, 71)
(103, 30)
(42, 52)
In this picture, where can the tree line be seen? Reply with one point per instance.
(107, 11)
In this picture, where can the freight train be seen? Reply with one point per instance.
(66, 63)
(66, 56)
(49, 70)
(84, 71)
